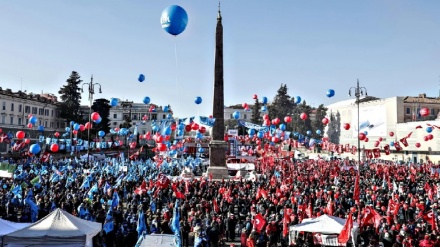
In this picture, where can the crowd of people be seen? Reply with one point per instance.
(393, 204)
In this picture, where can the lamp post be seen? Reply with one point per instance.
(91, 87)
(358, 92)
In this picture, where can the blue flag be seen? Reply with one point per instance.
(141, 226)
(115, 200)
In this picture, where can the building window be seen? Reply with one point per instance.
(134, 117)
(12, 120)
(58, 125)
(115, 116)
(45, 124)
(153, 116)
(46, 112)
(40, 111)
(27, 109)
(19, 121)
(20, 108)
(230, 116)
(51, 113)
(244, 116)
(164, 116)
(432, 112)
(12, 106)
(51, 124)
(114, 123)
(408, 111)
(4, 106)
(27, 121)
(34, 110)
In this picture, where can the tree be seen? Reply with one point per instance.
(256, 118)
(317, 124)
(334, 128)
(281, 105)
(302, 126)
(102, 106)
(70, 95)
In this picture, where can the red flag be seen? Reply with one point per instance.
(345, 234)
(210, 177)
(162, 181)
(45, 157)
(141, 189)
(371, 216)
(386, 148)
(215, 205)
(260, 222)
(357, 191)
(286, 220)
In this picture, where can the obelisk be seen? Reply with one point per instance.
(217, 146)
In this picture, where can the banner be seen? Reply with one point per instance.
(253, 126)
(207, 121)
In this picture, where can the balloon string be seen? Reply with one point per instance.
(175, 56)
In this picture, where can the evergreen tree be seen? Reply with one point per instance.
(70, 95)
(303, 125)
(102, 106)
(256, 118)
(281, 105)
(317, 124)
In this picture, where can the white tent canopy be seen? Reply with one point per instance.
(157, 240)
(325, 224)
(58, 228)
(9, 226)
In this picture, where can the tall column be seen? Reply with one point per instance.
(217, 146)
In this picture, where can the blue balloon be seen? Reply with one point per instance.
(114, 102)
(264, 100)
(35, 149)
(201, 150)
(76, 126)
(33, 120)
(174, 19)
(309, 132)
(392, 144)
(330, 93)
(198, 100)
(180, 133)
(67, 129)
(251, 132)
(169, 116)
(167, 131)
(282, 127)
(165, 108)
(297, 100)
(98, 120)
(236, 115)
(263, 108)
(41, 128)
(101, 133)
(146, 100)
(429, 129)
(141, 78)
(366, 133)
(318, 132)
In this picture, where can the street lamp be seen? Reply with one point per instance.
(358, 92)
(91, 86)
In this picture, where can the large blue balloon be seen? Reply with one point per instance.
(76, 126)
(318, 132)
(236, 115)
(174, 19)
(198, 100)
(330, 93)
(264, 101)
(297, 100)
(33, 120)
(114, 102)
(146, 100)
(260, 134)
(35, 149)
(41, 128)
(141, 78)
(101, 133)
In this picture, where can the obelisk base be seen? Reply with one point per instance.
(217, 160)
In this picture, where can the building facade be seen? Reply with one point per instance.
(391, 119)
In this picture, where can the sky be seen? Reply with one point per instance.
(392, 47)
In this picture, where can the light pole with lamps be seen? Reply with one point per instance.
(358, 92)
(91, 86)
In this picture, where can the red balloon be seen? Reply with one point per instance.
(266, 122)
(430, 137)
(202, 129)
(20, 134)
(54, 147)
(162, 147)
(194, 126)
(391, 133)
(29, 125)
(173, 126)
(346, 126)
(56, 134)
(245, 105)
(27, 141)
(303, 116)
(210, 116)
(265, 116)
(287, 119)
(187, 128)
(255, 96)
(426, 138)
(88, 125)
(75, 132)
(82, 127)
(380, 139)
(275, 139)
(325, 121)
(418, 145)
(95, 116)
(362, 136)
(366, 139)
(376, 144)
(424, 112)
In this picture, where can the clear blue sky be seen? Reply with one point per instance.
(393, 47)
